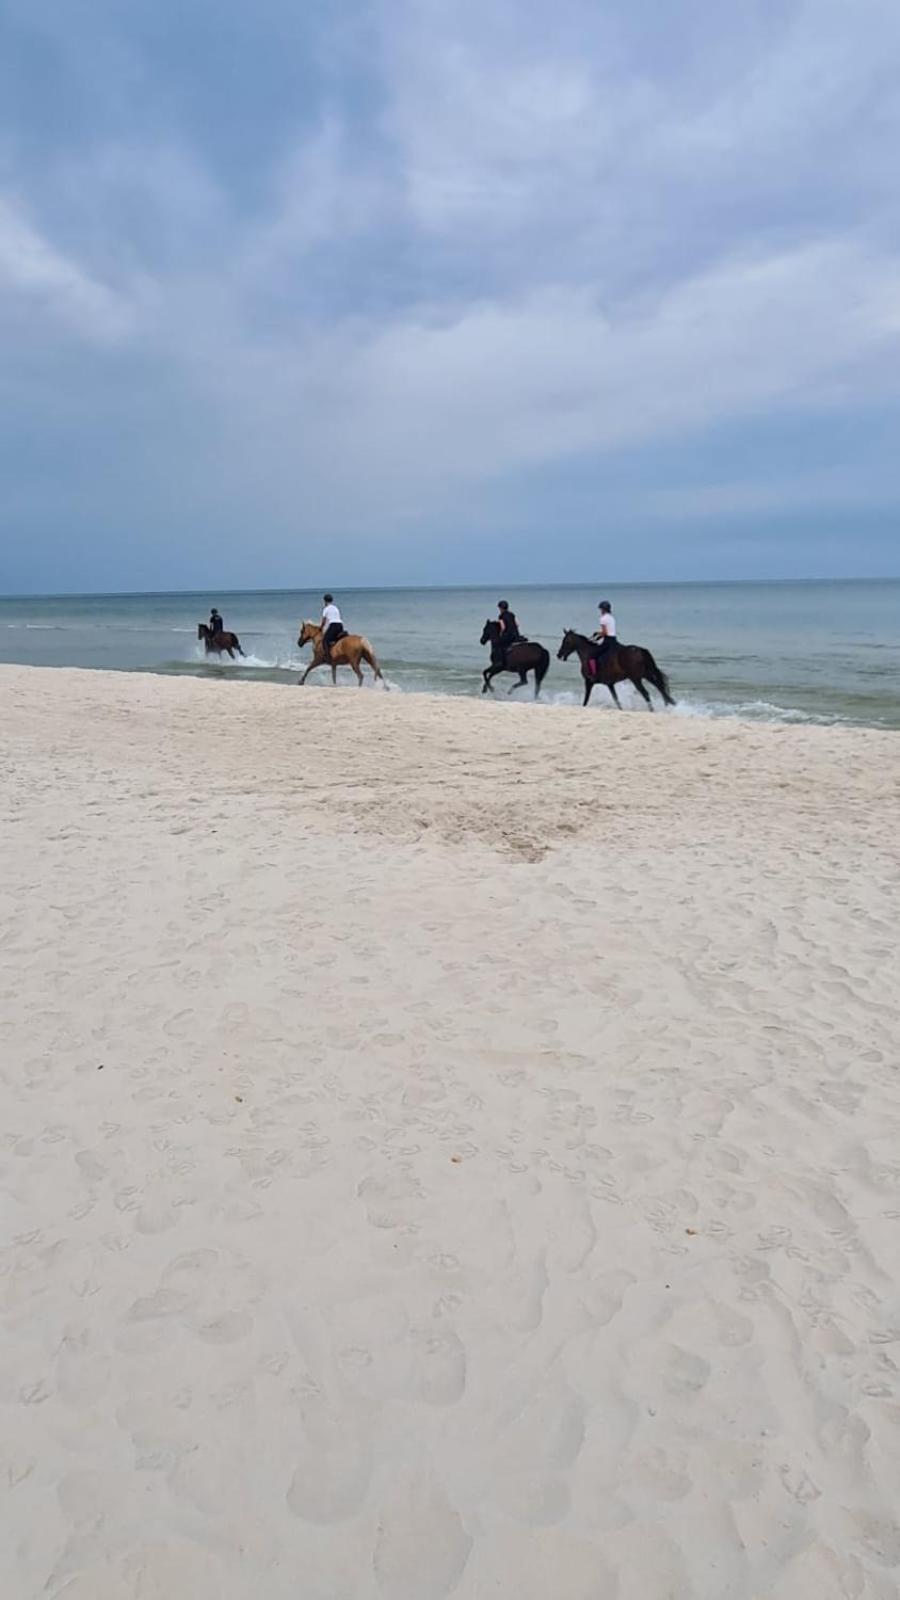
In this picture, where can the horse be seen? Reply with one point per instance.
(348, 651)
(522, 657)
(216, 643)
(623, 663)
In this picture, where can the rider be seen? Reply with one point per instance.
(216, 625)
(509, 629)
(332, 626)
(606, 633)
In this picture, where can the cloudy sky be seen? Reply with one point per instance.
(436, 291)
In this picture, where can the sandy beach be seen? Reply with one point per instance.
(449, 1148)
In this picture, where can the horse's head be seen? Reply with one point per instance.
(569, 643)
(309, 632)
(202, 630)
(490, 631)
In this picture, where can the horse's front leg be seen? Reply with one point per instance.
(311, 668)
(588, 686)
(612, 689)
(487, 675)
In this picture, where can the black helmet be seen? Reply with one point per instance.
(605, 605)
(503, 605)
(329, 599)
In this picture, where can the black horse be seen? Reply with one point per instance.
(621, 663)
(522, 658)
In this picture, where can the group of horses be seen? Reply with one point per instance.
(619, 663)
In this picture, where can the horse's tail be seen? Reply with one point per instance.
(540, 671)
(237, 644)
(658, 678)
(369, 656)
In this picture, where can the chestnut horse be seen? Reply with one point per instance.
(346, 652)
(219, 643)
(623, 663)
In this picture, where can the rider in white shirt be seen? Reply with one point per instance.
(606, 633)
(332, 625)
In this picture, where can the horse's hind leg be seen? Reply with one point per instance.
(639, 685)
(359, 676)
(616, 701)
(522, 683)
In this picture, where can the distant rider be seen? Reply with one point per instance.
(509, 630)
(216, 625)
(332, 626)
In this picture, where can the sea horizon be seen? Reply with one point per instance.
(436, 588)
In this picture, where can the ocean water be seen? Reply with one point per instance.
(786, 652)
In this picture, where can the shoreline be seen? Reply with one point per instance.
(554, 697)
(450, 1148)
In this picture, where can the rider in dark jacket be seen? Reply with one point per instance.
(216, 625)
(509, 629)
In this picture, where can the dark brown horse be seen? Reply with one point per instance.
(218, 644)
(621, 663)
(523, 657)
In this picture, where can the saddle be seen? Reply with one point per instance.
(501, 652)
(596, 658)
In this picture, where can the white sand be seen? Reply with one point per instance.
(492, 1184)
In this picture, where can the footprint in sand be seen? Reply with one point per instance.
(82, 1367)
(439, 1366)
(529, 1565)
(576, 1237)
(392, 1202)
(602, 1296)
(332, 1474)
(421, 1545)
(879, 1537)
(538, 1445)
(684, 1372)
(524, 1297)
